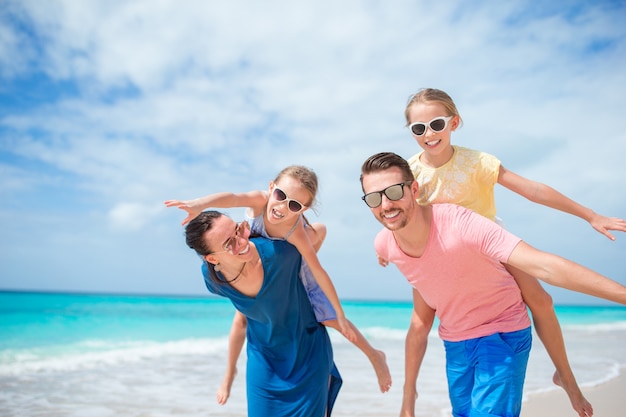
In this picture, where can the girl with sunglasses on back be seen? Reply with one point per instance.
(453, 174)
(278, 214)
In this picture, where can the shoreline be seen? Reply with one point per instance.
(607, 399)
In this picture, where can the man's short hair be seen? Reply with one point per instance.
(383, 161)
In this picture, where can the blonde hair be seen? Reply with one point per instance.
(432, 95)
(305, 176)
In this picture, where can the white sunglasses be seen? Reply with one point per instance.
(437, 124)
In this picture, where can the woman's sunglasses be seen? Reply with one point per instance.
(294, 205)
(393, 192)
(232, 244)
(436, 125)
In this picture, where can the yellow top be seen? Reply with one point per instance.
(467, 179)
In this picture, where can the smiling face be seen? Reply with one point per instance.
(393, 214)
(436, 145)
(224, 237)
(287, 199)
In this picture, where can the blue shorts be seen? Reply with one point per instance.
(322, 307)
(486, 374)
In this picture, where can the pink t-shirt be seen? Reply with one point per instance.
(460, 274)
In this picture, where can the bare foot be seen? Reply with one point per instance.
(379, 361)
(223, 392)
(408, 405)
(576, 397)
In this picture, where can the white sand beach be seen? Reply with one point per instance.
(608, 400)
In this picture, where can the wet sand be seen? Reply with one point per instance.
(608, 400)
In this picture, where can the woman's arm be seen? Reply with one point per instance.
(236, 339)
(542, 194)
(256, 200)
(564, 273)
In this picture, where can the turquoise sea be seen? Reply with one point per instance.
(121, 355)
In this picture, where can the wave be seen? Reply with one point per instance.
(597, 327)
(376, 333)
(97, 353)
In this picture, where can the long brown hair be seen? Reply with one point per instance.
(195, 237)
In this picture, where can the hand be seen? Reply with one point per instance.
(346, 328)
(189, 206)
(603, 224)
(382, 261)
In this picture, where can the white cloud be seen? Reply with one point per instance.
(150, 100)
(132, 216)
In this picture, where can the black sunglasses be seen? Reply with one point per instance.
(393, 192)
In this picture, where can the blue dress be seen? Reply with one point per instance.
(290, 358)
(322, 307)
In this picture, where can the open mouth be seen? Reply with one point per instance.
(391, 214)
(245, 250)
(277, 214)
(432, 143)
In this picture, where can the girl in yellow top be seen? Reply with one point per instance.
(452, 174)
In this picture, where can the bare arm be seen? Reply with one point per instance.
(236, 339)
(545, 195)
(301, 241)
(564, 273)
(415, 349)
(256, 200)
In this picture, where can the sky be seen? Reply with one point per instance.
(108, 108)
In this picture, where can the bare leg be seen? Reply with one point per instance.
(549, 331)
(236, 338)
(376, 357)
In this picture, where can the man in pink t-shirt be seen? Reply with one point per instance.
(462, 273)
(454, 259)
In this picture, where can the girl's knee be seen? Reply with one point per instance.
(318, 235)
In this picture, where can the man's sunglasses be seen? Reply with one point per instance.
(436, 125)
(393, 192)
(294, 205)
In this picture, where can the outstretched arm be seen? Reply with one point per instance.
(542, 194)
(415, 349)
(301, 241)
(564, 273)
(253, 199)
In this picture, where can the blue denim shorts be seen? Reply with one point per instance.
(486, 374)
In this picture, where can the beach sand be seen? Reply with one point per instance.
(608, 400)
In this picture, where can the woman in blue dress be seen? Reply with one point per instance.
(290, 369)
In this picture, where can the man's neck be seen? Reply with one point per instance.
(413, 238)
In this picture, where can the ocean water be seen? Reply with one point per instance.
(151, 356)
